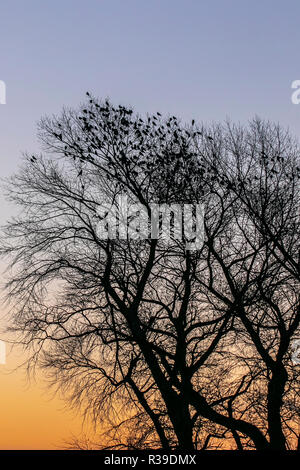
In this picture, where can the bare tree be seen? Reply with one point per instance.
(261, 168)
(175, 348)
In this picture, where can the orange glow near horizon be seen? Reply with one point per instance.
(31, 418)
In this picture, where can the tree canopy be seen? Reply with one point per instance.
(174, 348)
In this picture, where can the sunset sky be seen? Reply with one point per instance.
(206, 60)
(30, 417)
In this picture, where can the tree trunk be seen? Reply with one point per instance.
(275, 394)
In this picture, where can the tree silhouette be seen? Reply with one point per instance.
(173, 347)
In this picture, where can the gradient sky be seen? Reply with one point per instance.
(206, 60)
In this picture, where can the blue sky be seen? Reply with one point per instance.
(206, 60)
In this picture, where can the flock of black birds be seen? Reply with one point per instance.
(160, 149)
